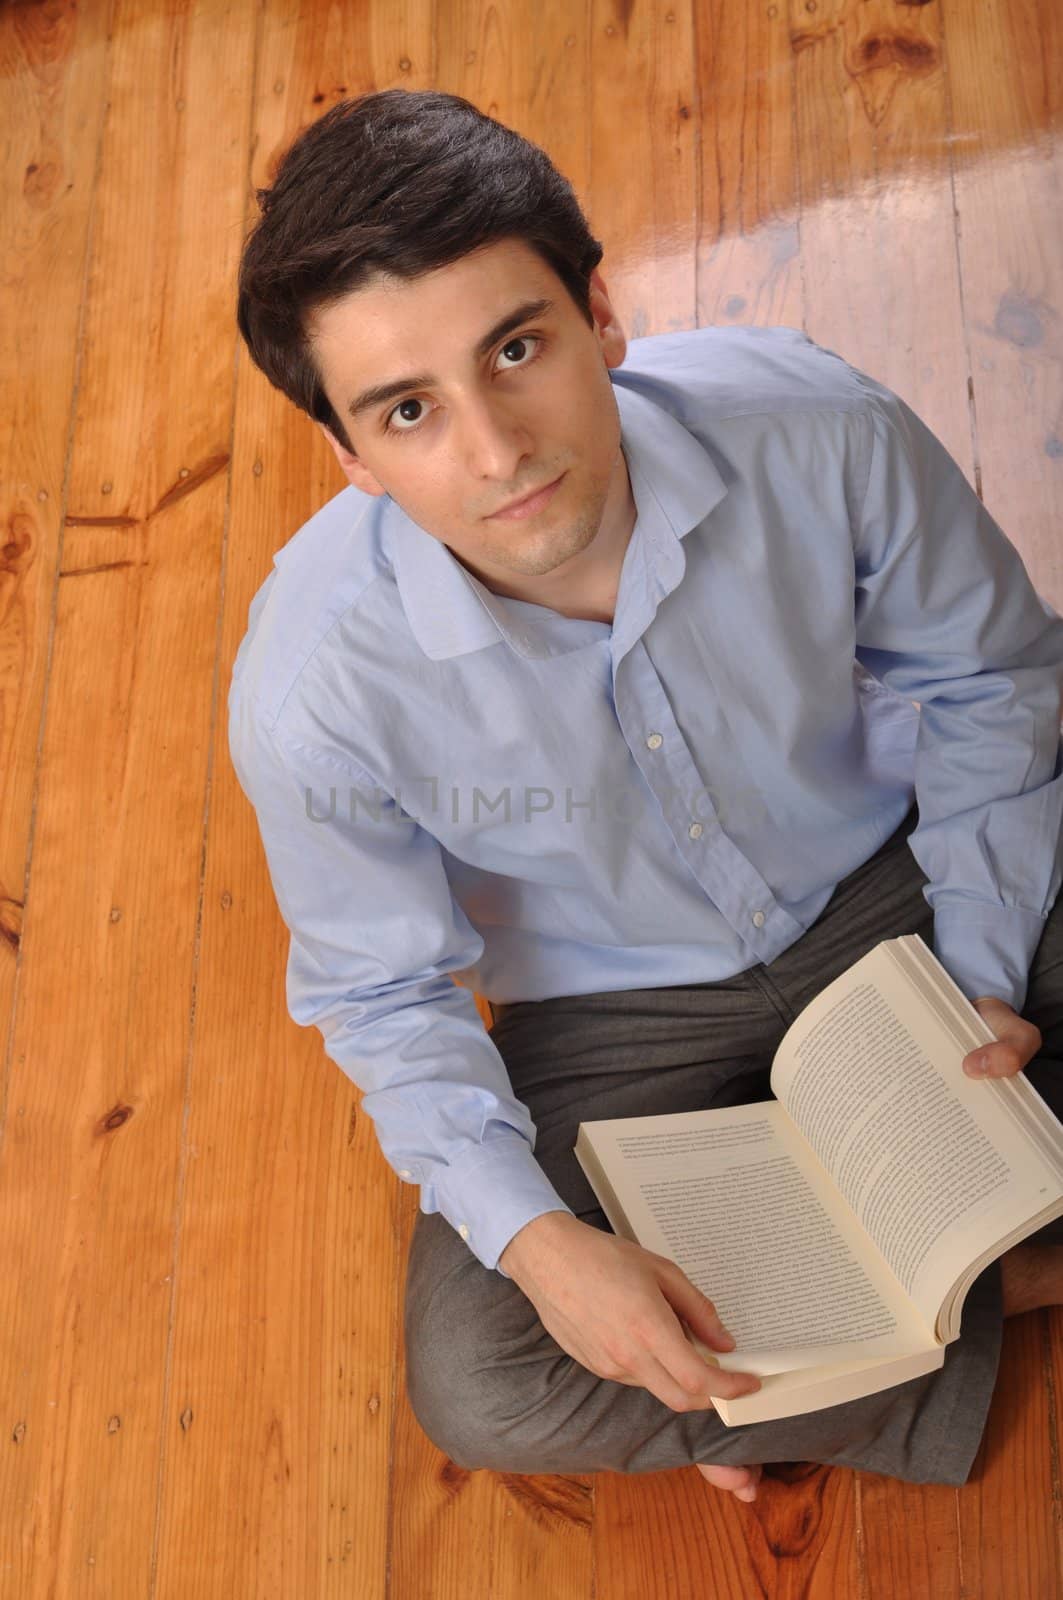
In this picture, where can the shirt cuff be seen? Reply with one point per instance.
(987, 949)
(489, 1197)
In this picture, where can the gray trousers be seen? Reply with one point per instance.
(493, 1389)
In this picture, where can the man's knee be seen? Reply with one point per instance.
(471, 1362)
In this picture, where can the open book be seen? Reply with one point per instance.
(838, 1227)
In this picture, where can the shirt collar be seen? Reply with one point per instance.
(674, 484)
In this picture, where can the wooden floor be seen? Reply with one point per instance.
(201, 1379)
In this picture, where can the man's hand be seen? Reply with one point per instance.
(1018, 1042)
(613, 1305)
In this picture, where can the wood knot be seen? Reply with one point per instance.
(19, 542)
(900, 49)
(114, 1119)
(40, 181)
(10, 922)
(794, 1520)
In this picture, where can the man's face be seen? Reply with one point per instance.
(490, 424)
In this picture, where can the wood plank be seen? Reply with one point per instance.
(910, 1539)
(1006, 91)
(1009, 1544)
(1005, 105)
(102, 1033)
(748, 263)
(878, 248)
(1052, 1326)
(641, 193)
(1006, 109)
(53, 64)
(296, 1362)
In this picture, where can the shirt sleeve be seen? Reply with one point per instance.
(375, 933)
(946, 615)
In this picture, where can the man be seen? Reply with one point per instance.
(615, 686)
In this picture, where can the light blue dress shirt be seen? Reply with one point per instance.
(816, 621)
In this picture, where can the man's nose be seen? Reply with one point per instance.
(495, 442)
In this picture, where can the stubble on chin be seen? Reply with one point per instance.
(551, 553)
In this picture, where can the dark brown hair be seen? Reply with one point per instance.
(401, 181)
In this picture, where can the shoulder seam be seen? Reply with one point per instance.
(350, 769)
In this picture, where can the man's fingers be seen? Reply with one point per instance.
(712, 1381)
(1002, 1059)
(696, 1309)
(661, 1383)
(685, 1301)
(692, 1372)
(1017, 1042)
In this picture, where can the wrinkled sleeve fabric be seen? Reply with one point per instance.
(375, 933)
(946, 615)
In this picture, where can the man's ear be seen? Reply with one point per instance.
(610, 333)
(354, 470)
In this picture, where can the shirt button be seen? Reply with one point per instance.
(405, 1173)
(758, 919)
(463, 1230)
(695, 830)
(654, 741)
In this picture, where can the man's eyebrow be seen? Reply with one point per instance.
(381, 392)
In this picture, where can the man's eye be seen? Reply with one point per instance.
(389, 426)
(524, 339)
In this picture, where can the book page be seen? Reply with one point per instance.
(736, 1200)
(874, 1081)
